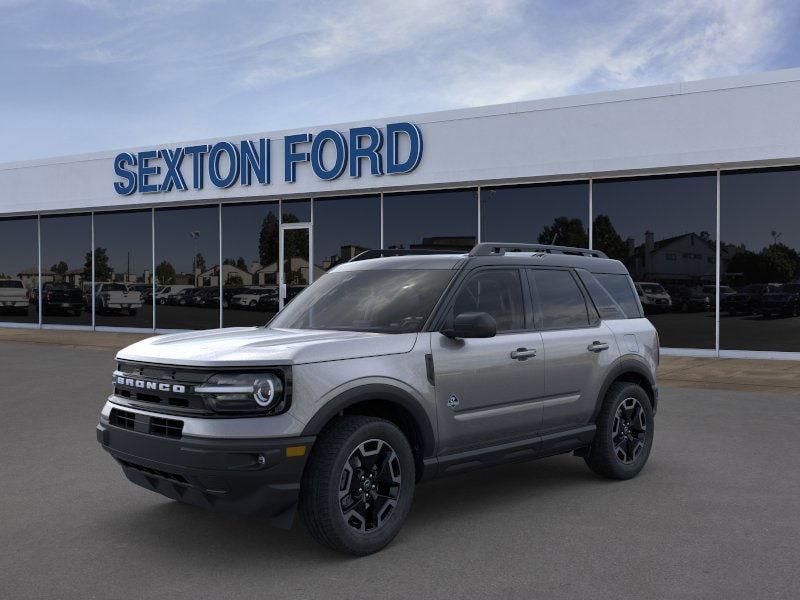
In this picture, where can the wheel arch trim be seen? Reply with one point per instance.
(376, 392)
(622, 367)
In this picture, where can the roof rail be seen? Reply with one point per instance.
(367, 254)
(496, 248)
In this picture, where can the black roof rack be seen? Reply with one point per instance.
(380, 253)
(496, 248)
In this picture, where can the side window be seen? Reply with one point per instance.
(494, 291)
(620, 289)
(606, 305)
(561, 303)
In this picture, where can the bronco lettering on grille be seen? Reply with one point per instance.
(151, 385)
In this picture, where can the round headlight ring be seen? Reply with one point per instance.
(265, 394)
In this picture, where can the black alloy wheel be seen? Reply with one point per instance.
(370, 485)
(629, 433)
(624, 436)
(358, 485)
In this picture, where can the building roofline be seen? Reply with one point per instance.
(716, 84)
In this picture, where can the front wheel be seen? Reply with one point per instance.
(624, 433)
(358, 486)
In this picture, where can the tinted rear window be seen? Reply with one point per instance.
(10, 284)
(606, 305)
(620, 289)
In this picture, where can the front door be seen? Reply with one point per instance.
(489, 390)
(295, 271)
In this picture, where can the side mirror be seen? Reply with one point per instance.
(472, 325)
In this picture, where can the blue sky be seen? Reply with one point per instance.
(87, 75)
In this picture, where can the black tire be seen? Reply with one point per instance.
(610, 457)
(331, 468)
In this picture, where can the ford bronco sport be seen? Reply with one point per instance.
(391, 369)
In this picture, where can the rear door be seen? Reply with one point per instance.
(578, 348)
(489, 389)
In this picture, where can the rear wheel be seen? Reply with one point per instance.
(358, 486)
(624, 434)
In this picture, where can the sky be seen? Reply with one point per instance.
(88, 75)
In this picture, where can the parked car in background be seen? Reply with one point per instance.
(164, 293)
(268, 302)
(206, 297)
(13, 297)
(183, 297)
(784, 301)
(653, 296)
(228, 293)
(249, 297)
(116, 298)
(724, 292)
(747, 301)
(144, 289)
(61, 298)
(691, 299)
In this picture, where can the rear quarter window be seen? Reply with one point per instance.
(620, 289)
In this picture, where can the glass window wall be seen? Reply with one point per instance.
(760, 260)
(662, 229)
(187, 269)
(19, 270)
(343, 228)
(67, 269)
(445, 220)
(555, 213)
(123, 267)
(249, 263)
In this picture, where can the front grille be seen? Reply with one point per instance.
(171, 428)
(157, 472)
(122, 418)
(162, 427)
(151, 378)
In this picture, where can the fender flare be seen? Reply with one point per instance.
(623, 365)
(376, 391)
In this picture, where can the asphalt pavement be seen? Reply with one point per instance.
(713, 515)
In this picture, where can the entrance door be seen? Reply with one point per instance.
(295, 271)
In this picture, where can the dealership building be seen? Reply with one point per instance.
(694, 186)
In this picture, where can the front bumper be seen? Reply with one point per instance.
(252, 477)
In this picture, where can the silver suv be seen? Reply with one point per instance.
(394, 368)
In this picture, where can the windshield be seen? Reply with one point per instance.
(12, 283)
(383, 301)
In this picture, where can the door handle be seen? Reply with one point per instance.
(523, 354)
(597, 346)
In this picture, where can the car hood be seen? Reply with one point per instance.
(242, 346)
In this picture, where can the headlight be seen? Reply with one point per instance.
(243, 392)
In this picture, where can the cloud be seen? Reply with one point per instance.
(200, 68)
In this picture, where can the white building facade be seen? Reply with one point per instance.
(692, 185)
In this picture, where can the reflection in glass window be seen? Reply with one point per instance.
(558, 299)
(431, 220)
(67, 269)
(537, 214)
(19, 270)
(249, 263)
(657, 226)
(343, 228)
(760, 260)
(296, 211)
(187, 270)
(123, 267)
(497, 292)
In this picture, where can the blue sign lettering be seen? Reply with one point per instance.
(329, 155)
